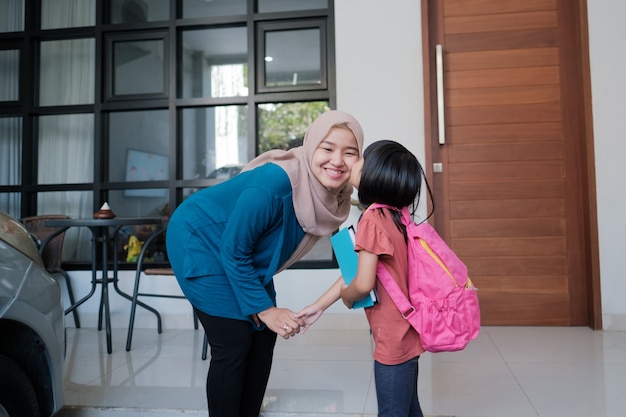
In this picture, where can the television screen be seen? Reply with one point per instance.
(146, 166)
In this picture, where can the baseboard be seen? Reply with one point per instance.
(615, 322)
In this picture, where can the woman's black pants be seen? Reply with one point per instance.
(241, 360)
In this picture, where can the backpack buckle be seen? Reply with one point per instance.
(406, 314)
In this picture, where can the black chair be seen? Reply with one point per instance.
(142, 269)
(53, 250)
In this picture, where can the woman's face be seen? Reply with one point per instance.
(333, 159)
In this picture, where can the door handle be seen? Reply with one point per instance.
(441, 121)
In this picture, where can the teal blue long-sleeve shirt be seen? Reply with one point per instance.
(226, 242)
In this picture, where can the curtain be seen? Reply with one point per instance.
(10, 162)
(11, 15)
(11, 20)
(66, 141)
(67, 72)
(57, 14)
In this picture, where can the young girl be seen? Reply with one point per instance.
(388, 174)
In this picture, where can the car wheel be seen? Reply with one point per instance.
(17, 395)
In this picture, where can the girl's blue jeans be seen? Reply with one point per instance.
(396, 389)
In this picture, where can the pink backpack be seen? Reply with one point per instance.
(443, 302)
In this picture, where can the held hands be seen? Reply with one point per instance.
(281, 321)
(311, 313)
(286, 323)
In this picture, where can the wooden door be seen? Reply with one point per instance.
(513, 173)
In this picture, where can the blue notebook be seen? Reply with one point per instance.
(348, 260)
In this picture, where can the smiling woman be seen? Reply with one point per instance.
(230, 240)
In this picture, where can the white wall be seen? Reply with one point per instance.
(608, 66)
(379, 81)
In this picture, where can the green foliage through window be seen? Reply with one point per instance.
(282, 125)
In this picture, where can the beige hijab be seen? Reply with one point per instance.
(319, 210)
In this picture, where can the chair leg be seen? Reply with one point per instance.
(133, 308)
(100, 315)
(205, 342)
(70, 293)
(195, 320)
(205, 345)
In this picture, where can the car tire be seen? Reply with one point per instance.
(17, 395)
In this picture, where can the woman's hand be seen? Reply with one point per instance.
(281, 321)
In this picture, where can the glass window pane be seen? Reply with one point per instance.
(12, 12)
(322, 251)
(10, 150)
(139, 205)
(56, 14)
(10, 70)
(139, 146)
(67, 72)
(213, 8)
(65, 152)
(136, 11)
(125, 204)
(188, 191)
(215, 141)
(282, 125)
(139, 67)
(77, 205)
(293, 57)
(10, 203)
(215, 63)
(267, 6)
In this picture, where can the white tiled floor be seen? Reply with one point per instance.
(506, 372)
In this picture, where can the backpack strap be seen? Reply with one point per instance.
(404, 213)
(391, 286)
(393, 289)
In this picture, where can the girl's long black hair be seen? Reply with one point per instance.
(392, 175)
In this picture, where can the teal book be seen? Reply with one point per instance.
(348, 260)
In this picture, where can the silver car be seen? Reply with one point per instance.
(32, 329)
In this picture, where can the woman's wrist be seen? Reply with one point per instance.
(263, 314)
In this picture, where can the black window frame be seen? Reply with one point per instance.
(110, 39)
(27, 107)
(264, 27)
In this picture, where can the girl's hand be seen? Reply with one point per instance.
(309, 315)
(281, 321)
